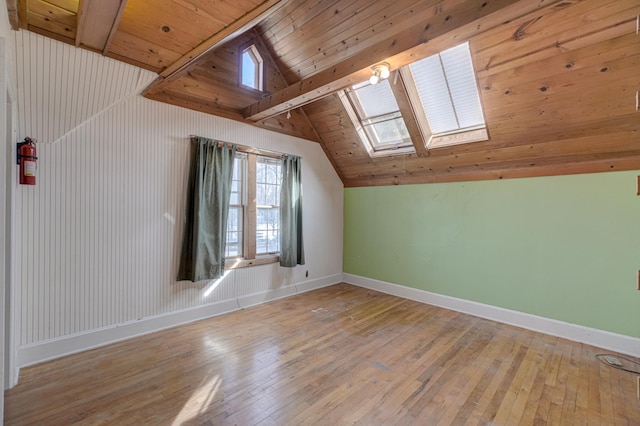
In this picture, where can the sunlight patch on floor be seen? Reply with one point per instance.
(199, 401)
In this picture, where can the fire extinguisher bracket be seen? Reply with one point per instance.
(18, 156)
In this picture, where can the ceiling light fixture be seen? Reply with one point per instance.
(380, 72)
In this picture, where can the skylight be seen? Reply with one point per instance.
(444, 86)
(377, 118)
(251, 68)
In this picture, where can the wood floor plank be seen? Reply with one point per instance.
(334, 356)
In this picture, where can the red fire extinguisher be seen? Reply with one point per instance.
(27, 161)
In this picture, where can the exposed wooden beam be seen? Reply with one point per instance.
(17, 11)
(114, 26)
(246, 22)
(81, 21)
(12, 11)
(402, 99)
(23, 12)
(97, 19)
(448, 23)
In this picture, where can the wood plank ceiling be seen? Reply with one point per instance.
(558, 79)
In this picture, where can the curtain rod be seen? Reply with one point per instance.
(250, 149)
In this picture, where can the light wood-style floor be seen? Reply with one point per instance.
(334, 356)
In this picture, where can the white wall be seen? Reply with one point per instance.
(101, 231)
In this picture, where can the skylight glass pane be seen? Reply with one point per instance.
(462, 85)
(376, 99)
(387, 131)
(447, 89)
(434, 94)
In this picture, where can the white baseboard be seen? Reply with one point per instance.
(67, 345)
(578, 333)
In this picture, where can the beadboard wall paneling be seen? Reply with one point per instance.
(101, 231)
(77, 85)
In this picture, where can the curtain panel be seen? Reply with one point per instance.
(208, 191)
(291, 241)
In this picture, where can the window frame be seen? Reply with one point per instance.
(252, 49)
(249, 231)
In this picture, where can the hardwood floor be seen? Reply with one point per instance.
(338, 355)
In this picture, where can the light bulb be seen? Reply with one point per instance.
(380, 72)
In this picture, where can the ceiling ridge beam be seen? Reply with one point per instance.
(244, 23)
(458, 23)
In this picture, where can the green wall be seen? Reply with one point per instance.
(565, 247)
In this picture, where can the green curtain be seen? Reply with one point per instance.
(208, 192)
(291, 244)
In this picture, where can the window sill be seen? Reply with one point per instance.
(245, 263)
(393, 152)
(458, 138)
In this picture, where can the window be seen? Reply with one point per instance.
(377, 118)
(254, 210)
(442, 95)
(251, 68)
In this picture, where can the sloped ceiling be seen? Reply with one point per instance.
(558, 79)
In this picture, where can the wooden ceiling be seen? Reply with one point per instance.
(558, 79)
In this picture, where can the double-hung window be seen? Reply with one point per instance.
(254, 211)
